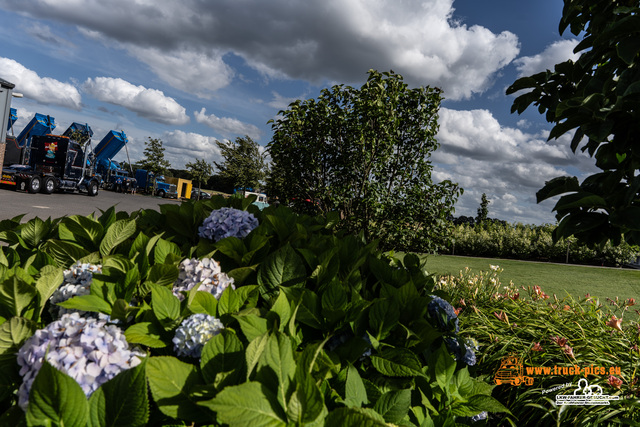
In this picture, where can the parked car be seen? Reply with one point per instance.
(203, 195)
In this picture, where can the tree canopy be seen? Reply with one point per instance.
(243, 164)
(598, 99)
(154, 160)
(200, 171)
(365, 154)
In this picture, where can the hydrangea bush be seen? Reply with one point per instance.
(286, 322)
(77, 281)
(88, 350)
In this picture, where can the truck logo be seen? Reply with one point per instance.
(51, 148)
(511, 372)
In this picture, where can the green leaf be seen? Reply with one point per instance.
(122, 401)
(282, 308)
(355, 392)
(15, 296)
(278, 356)
(579, 200)
(444, 369)
(13, 333)
(166, 306)
(283, 267)
(50, 279)
(354, 417)
(117, 233)
(252, 326)
(394, 405)
(82, 230)
(626, 218)
(203, 302)
(397, 362)
(163, 274)
(87, 303)
(383, 317)
(561, 185)
(229, 302)
(254, 352)
(306, 403)
(248, 404)
(56, 399)
(164, 248)
(223, 354)
(171, 382)
(65, 253)
(34, 231)
(145, 333)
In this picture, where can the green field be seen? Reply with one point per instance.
(560, 279)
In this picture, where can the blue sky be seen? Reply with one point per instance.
(193, 72)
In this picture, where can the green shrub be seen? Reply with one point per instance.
(318, 327)
(531, 242)
(544, 331)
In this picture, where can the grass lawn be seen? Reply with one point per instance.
(552, 278)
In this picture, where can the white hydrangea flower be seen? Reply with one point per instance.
(88, 350)
(205, 273)
(227, 222)
(77, 281)
(194, 332)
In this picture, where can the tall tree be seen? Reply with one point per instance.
(598, 99)
(365, 154)
(154, 160)
(243, 164)
(200, 171)
(483, 210)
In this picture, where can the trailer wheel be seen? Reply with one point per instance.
(34, 184)
(49, 185)
(92, 189)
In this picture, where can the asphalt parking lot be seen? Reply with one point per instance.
(14, 203)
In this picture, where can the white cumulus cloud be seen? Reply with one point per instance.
(151, 104)
(41, 89)
(553, 54)
(226, 125)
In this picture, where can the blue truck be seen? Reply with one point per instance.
(114, 177)
(148, 182)
(17, 152)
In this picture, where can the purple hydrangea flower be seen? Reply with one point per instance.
(227, 222)
(481, 416)
(444, 314)
(88, 350)
(194, 332)
(462, 349)
(205, 273)
(77, 281)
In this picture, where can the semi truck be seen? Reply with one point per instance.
(148, 182)
(55, 163)
(114, 177)
(18, 151)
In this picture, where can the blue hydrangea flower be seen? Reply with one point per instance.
(227, 222)
(88, 350)
(206, 274)
(444, 315)
(77, 281)
(481, 416)
(464, 350)
(194, 332)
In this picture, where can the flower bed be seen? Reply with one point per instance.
(215, 313)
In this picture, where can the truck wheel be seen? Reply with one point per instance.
(34, 184)
(49, 185)
(92, 189)
(161, 193)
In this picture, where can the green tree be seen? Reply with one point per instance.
(598, 99)
(365, 154)
(200, 171)
(483, 210)
(243, 164)
(154, 160)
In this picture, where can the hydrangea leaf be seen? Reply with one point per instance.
(166, 306)
(122, 401)
(306, 404)
(49, 280)
(252, 326)
(248, 404)
(397, 362)
(355, 392)
(202, 302)
(394, 405)
(278, 356)
(283, 267)
(355, 417)
(117, 233)
(15, 296)
(164, 248)
(87, 303)
(13, 333)
(65, 253)
(445, 367)
(145, 333)
(56, 398)
(171, 382)
(383, 317)
(223, 353)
